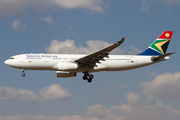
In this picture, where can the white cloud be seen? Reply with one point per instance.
(16, 25)
(54, 92)
(28, 117)
(133, 50)
(93, 5)
(68, 47)
(71, 30)
(50, 93)
(103, 89)
(156, 111)
(7, 93)
(150, 99)
(145, 6)
(49, 20)
(154, 73)
(18, 7)
(166, 85)
(133, 98)
(170, 2)
(107, 6)
(96, 111)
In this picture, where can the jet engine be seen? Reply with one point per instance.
(63, 74)
(67, 66)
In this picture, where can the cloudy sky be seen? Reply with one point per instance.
(84, 26)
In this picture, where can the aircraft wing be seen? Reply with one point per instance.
(95, 57)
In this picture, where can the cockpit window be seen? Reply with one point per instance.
(11, 57)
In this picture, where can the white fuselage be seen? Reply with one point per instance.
(51, 61)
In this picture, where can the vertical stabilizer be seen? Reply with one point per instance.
(160, 45)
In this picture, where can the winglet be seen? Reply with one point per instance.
(122, 40)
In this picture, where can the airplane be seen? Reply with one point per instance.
(68, 65)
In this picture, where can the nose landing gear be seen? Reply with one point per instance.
(23, 74)
(88, 77)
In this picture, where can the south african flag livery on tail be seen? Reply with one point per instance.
(160, 45)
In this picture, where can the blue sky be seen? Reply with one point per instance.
(84, 26)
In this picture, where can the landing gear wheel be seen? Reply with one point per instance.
(91, 76)
(84, 77)
(88, 77)
(23, 74)
(86, 74)
(89, 80)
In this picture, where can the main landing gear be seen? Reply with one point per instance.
(88, 77)
(23, 74)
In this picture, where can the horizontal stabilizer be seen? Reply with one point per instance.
(154, 59)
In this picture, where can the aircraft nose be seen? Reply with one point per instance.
(6, 62)
(10, 62)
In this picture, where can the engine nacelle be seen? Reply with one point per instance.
(66, 66)
(63, 74)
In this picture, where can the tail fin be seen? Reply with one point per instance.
(160, 45)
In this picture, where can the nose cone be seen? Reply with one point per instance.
(11, 63)
(6, 62)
